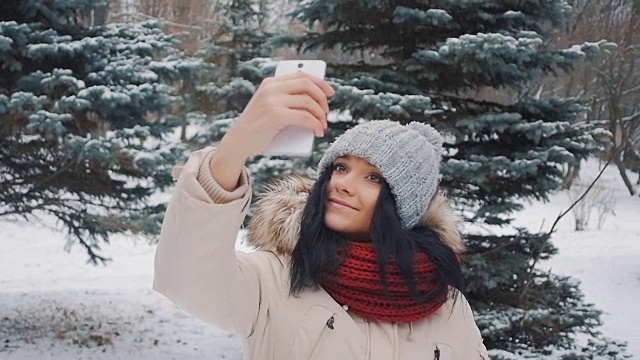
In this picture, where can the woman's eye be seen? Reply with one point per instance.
(375, 178)
(339, 167)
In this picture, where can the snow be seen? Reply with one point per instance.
(512, 14)
(5, 43)
(605, 261)
(53, 305)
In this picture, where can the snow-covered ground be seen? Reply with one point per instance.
(55, 306)
(606, 261)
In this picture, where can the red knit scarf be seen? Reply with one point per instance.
(357, 284)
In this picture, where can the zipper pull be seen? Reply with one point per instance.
(436, 353)
(330, 323)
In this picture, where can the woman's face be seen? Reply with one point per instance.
(352, 194)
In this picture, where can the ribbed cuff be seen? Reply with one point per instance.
(215, 191)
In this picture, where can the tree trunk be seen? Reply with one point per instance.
(623, 174)
(572, 174)
(100, 15)
(183, 132)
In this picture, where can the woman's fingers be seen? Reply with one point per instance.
(321, 83)
(304, 118)
(306, 102)
(303, 84)
(296, 99)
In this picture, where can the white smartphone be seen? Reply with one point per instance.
(295, 140)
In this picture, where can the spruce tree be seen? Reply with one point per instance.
(235, 53)
(84, 118)
(240, 55)
(435, 62)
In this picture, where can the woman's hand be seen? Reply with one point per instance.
(296, 99)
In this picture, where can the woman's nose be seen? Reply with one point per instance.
(345, 184)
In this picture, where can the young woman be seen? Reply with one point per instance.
(362, 264)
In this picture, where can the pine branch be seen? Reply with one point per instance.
(161, 20)
(45, 204)
(75, 231)
(624, 120)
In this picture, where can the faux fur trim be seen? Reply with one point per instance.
(275, 224)
(440, 218)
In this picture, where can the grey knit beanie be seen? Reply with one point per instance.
(408, 157)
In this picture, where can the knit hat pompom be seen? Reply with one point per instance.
(432, 135)
(408, 157)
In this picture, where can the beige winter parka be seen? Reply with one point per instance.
(198, 268)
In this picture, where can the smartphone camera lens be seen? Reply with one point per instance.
(300, 65)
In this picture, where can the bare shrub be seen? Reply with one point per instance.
(600, 198)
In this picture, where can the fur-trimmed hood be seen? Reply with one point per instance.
(276, 220)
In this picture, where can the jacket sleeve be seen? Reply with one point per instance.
(196, 264)
(482, 353)
(469, 337)
(482, 350)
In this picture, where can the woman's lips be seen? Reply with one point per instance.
(341, 204)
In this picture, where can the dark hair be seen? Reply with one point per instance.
(317, 248)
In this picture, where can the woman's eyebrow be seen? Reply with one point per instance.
(349, 157)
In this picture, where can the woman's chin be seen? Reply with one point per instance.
(342, 225)
(335, 228)
(337, 224)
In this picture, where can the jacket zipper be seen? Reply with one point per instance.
(329, 325)
(436, 353)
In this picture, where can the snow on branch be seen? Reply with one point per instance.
(161, 20)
